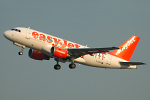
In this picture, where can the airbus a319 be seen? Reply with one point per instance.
(44, 46)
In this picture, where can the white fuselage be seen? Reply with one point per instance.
(43, 42)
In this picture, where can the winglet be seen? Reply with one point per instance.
(127, 48)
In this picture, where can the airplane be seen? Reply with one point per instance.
(44, 46)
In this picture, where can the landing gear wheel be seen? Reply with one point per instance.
(20, 53)
(57, 67)
(72, 66)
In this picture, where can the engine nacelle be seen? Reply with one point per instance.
(37, 55)
(59, 52)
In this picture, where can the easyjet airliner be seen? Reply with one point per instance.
(44, 46)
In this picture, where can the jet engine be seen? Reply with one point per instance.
(37, 55)
(59, 52)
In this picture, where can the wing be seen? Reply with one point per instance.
(132, 63)
(78, 52)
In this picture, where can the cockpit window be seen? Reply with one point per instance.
(16, 30)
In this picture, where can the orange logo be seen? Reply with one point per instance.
(126, 45)
(55, 41)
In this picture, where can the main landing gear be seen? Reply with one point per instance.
(72, 66)
(58, 67)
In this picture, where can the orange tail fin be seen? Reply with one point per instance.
(127, 48)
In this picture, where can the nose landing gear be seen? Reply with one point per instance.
(21, 52)
(22, 48)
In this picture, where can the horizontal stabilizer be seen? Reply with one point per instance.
(132, 63)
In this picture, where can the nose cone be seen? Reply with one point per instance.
(7, 34)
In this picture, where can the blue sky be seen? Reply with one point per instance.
(96, 23)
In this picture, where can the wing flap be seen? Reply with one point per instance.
(77, 52)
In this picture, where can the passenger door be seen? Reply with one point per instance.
(28, 33)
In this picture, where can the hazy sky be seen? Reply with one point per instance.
(96, 23)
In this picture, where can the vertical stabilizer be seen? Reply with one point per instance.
(127, 48)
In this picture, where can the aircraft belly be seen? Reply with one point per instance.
(96, 62)
(91, 61)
